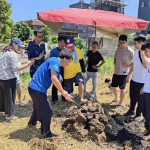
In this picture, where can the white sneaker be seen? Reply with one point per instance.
(65, 110)
(92, 97)
(21, 104)
(8, 118)
(137, 118)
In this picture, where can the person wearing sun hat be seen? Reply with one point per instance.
(72, 72)
(9, 65)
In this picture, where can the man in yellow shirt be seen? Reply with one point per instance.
(72, 72)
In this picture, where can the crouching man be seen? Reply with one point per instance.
(47, 74)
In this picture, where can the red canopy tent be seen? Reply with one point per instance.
(107, 22)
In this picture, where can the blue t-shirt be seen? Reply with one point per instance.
(55, 52)
(41, 80)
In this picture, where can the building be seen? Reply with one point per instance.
(34, 24)
(144, 11)
(110, 5)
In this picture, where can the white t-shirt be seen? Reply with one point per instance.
(138, 69)
(147, 79)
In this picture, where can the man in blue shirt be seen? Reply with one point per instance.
(46, 74)
(55, 53)
(36, 49)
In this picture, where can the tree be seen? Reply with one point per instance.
(6, 23)
(21, 30)
(46, 33)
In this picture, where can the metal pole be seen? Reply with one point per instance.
(87, 30)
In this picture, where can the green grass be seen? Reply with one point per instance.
(108, 66)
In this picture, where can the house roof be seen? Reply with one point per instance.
(34, 22)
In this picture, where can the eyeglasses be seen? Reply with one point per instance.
(40, 37)
(122, 43)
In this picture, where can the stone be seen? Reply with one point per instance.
(66, 122)
(84, 109)
(108, 129)
(99, 127)
(99, 138)
(89, 115)
(81, 118)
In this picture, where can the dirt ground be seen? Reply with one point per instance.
(15, 135)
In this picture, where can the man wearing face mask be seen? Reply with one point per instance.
(55, 53)
(36, 50)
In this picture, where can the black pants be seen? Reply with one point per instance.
(136, 97)
(146, 110)
(42, 111)
(55, 92)
(7, 96)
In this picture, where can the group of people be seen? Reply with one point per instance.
(65, 67)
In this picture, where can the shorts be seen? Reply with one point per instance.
(19, 88)
(68, 83)
(119, 80)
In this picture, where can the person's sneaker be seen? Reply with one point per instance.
(65, 110)
(56, 102)
(137, 118)
(21, 104)
(92, 97)
(8, 118)
(129, 113)
(50, 135)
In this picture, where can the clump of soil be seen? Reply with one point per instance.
(88, 121)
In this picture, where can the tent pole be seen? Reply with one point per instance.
(86, 46)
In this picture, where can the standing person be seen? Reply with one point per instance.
(19, 85)
(36, 49)
(46, 74)
(55, 53)
(72, 72)
(9, 65)
(93, 59)
(137, 80)
(145, 55)
(122, 61)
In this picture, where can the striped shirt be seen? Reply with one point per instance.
(8, 63)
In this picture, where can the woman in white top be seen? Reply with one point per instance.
(9, 65)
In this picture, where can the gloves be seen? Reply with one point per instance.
(60, 78)
(84, 75)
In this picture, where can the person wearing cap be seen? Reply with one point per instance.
(45, 75)
(72, 72)
(55, 53)
(8, 67)
(122, 62)
(36, 49)
(137, 80)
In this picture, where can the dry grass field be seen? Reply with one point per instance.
(15, 135)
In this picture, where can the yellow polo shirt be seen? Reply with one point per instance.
(73, 68)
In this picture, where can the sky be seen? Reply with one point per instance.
(26, 9)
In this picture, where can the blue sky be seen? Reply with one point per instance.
(26, 9)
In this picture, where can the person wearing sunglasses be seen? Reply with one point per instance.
(36, 50)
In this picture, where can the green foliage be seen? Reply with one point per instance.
(52, 42)
(46, 33)
(21, 30)
(5, 22)
(79, 43)
(108, 66)
(25, 76)
(132, 36)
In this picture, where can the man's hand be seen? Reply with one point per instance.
(141, 91)
(31, 62)
(69, 98)
(127, 79)
(40, 56)
(125, 65)
(94, 67)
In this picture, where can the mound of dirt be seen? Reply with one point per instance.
(88, 121)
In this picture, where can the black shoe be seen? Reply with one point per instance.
(129, 113)
(31, 124)
(50, 135)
